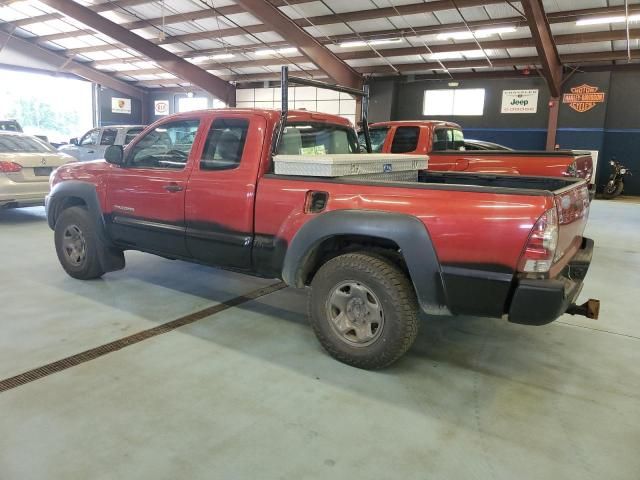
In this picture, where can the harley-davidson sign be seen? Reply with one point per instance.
(583, 98)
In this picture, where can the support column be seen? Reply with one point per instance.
(552, 124)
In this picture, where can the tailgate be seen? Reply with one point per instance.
(584, 166)
(572, 206)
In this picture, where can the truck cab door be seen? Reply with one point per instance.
(145, 198)
(220, 197)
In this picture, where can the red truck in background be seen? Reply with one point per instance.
(444, 143)
(200, 187)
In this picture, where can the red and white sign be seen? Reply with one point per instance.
(161, 107)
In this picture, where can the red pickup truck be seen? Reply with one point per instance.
(200, 187)
(444, 143)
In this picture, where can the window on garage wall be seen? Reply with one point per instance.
(462, 102)
(309, 98)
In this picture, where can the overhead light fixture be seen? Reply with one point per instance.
(453, 84)
(366, 43)
(204, 58)
(603, 20)
(271, 51)
(480, 33)
(460, 55)
(222, 56)
(446, 56)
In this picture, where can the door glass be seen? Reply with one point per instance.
(458, 140)
(405, 139)
(131, 134)
(166, 146)
(108, 136)
(90, 138)
(441, 140)
(225, 143)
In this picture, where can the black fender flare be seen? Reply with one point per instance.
(111, 258)
(409, 233)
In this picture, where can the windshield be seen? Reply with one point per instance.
(378, 135)
(20, 144)
(307, 138)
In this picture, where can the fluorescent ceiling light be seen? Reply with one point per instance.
(364, 43)
(459, 55)
(271, 51)
(222, 56)
(446, 56)
(602, 20)
(481, 33)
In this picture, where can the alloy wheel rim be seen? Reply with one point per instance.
(355, 313)
(74, 245)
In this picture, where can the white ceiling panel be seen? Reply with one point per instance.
(311, 9)
(340, 6)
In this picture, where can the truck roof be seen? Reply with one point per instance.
(431, 123)
(274, 114)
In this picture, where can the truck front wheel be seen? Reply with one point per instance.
(363, 310)
(77, 244)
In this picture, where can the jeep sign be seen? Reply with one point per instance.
(519, 101)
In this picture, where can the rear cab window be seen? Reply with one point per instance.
(317, 138)
(225, 144)
(405, 139)
(447, 139)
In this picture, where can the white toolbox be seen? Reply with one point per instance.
(339, 165)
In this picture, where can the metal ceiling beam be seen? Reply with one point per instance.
(404, 51)
(545, 45)
(409, 9)
(167, 60)
(556, 17)
(60, 62)
(324, 58)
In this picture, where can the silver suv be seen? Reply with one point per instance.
(93, 144)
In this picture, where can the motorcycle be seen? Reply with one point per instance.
(615, 185)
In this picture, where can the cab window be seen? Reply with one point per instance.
(90, 138)
(225, 144)
(108, 136)
(405, 139)
(447, 139)
(131, 134)
(378, 136)
(306, 138)
(166, 146)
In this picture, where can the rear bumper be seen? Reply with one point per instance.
(538, 302)
(22, 194)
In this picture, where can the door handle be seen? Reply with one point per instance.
(173, 187)
(90, 151)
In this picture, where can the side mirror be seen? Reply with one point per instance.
(114, 154)
(73, 141)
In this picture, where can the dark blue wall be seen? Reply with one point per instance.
(107, 117)
(611, 127)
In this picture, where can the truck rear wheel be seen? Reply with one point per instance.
(77, 244)
(363, 310)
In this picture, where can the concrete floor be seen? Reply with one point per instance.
(248, 393)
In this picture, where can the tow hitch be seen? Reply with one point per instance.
(590, 309)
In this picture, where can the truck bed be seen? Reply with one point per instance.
(476, 182)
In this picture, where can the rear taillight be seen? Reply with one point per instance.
(9, 167)
(539, 253)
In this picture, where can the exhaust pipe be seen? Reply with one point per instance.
(589, 309)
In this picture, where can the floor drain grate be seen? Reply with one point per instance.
(92, 354)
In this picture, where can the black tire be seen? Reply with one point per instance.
(392, 291)
(610, 193)
(78, 220)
